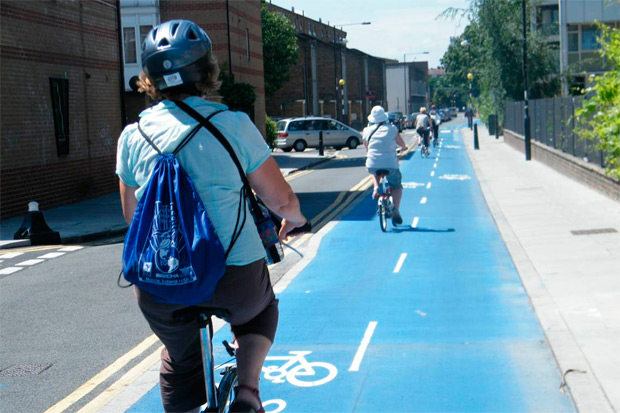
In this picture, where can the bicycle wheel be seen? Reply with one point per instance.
(382, 215)
(225, 391)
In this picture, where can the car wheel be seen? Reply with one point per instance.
(352, 143)
(300, 146)
(287, 149)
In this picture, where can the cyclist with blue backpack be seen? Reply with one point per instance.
(191, 240)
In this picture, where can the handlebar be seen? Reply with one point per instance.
(307, 227)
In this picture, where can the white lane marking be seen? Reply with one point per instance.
(52, 255)
(415, 222)
(10, 255)
(357, 360)
(69, 249)
(400, 262)
(433, 173)
(437, 158)
(9, 270)
(428, 185)
(29, 262)
(435, 165)
(423, 200)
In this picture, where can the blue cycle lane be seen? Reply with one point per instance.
(427, 317)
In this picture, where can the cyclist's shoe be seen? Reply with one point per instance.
(396, 218)
(375, 193)
(239, 406)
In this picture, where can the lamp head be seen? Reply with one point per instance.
(341, 82)
(470, 76)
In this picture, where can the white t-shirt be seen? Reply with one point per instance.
(382, 146)
(205, 160)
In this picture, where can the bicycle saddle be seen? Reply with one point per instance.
(193, 313)
(382, 172)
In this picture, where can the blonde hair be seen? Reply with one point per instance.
(423, 109)
(206, 87)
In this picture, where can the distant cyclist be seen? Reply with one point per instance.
(423, 125)
(436, 119)
(380, 140)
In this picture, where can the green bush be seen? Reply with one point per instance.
(598, 119)
(270, 127)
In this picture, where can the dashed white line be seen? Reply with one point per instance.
(357, 360)
(423, 200)
(52, 255)
(69, 249)
(9, 270)
(10, 255)
(414, 224)
(29, 262)
(432, 173)
(428, 185)
(400, 262)
(434, 165)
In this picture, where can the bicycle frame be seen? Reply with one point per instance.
(208, 366)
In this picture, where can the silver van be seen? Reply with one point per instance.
(302, 133)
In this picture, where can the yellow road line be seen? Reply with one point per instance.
(354, 194)
(102, 376)
(31, 249)
(120, 385)
(298, 174)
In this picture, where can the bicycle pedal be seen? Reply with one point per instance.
(229, 349)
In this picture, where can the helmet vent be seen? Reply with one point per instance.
(192, 35)
(163, 43)
(173, 29)
(154, 34)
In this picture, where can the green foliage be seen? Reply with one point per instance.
(237, 96)
(495, 56)
(271, 132)
(598, 119)
(279, 49)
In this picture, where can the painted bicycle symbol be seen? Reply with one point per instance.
(298, 371)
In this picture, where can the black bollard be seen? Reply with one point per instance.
(496, 126)
(35, 228)
(476, 144)
(321, 142)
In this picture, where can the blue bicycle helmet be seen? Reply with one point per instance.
(175, 53)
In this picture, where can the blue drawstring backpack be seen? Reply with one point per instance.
(171, 249)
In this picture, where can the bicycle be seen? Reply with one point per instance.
(219, 397)
(385, 203)
(425, 152)
(298, 371)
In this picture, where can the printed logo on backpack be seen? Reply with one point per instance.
(171, 249)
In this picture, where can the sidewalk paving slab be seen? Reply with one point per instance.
(573, 280)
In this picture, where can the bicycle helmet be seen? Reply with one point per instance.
(175, 53)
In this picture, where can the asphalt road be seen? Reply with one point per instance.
(65, 320)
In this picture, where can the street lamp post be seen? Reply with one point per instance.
(337, 81)
(405, 78)
(526, 114)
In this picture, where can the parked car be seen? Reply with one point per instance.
(454, 112)
(414, 116)
(410, 121)
(302, 133)
(396, 118)
(444, 115)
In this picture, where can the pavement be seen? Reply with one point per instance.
(561, 235)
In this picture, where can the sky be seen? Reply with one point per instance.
(397, 26)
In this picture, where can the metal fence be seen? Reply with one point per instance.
(552, 123)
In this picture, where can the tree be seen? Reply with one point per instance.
(494, 56)
(279, 49)
(599, 116)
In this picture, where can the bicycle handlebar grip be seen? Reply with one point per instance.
(307, 227)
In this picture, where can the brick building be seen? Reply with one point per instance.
(324, 60)
(62, 87)
(61, 106)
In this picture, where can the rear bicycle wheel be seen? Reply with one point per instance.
(226, 390)
(382, 215)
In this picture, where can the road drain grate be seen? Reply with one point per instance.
(593, 231)
(21, 370)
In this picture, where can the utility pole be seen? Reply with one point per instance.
(526, 113)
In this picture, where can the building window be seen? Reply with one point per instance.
(588, 38)
(60, 110)
(129, 41)
(573, 42)
(247, 42)
(547, 20)
(144, 30)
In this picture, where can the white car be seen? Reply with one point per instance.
(302, 133)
